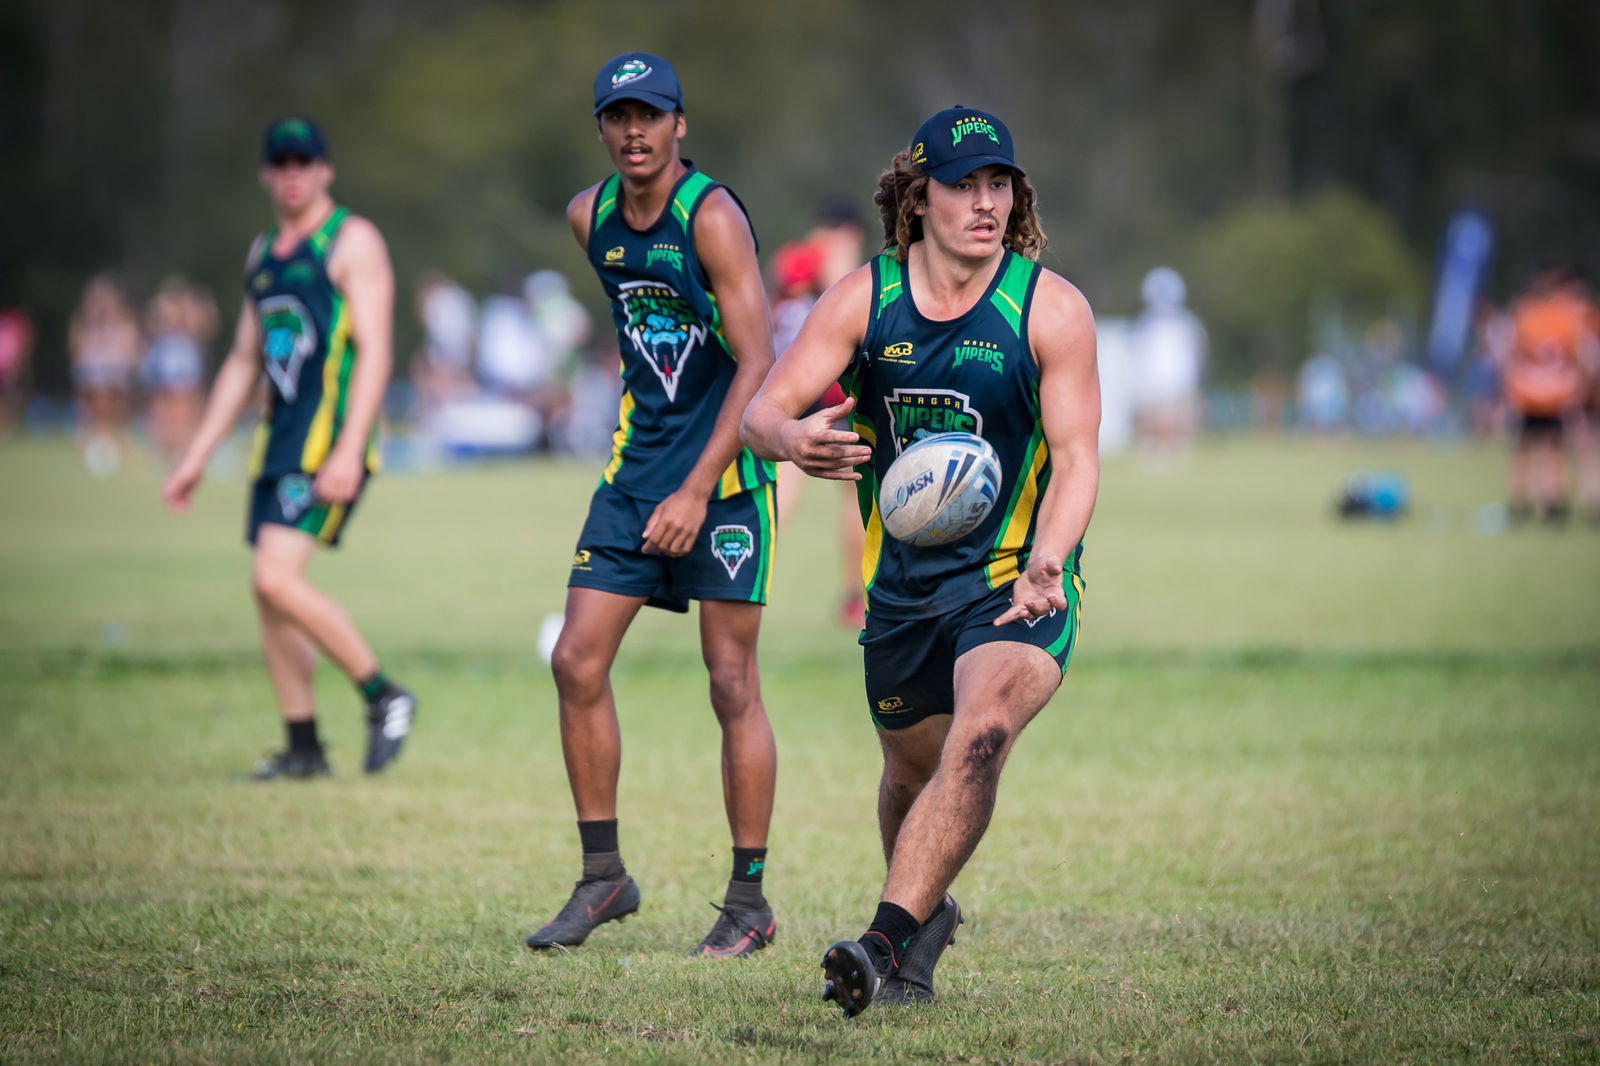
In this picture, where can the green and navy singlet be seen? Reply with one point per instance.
(306, 350)
(676, 364)
(976, 373)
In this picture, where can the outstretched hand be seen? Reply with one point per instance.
(1037, 591)
(822, 451)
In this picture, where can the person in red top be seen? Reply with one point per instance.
(1553, 356)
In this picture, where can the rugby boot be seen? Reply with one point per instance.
(389, 720)
(737, 932)
(593, 903)
(850, 977)
(293, 765)
(913, 981)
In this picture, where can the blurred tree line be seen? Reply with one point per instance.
(1283, 154)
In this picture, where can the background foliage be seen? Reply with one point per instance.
(1317, 146)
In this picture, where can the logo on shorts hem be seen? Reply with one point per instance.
(1031, 622)
(892, 705)
(580, 560)
(732, 545)
(294, 496)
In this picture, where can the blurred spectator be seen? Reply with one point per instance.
(1553, 354)
(16, 366)
(442, 369)
(563, 325)
(512, 359)
(797, 270)
(1169, 348)
(802, 271)
(1493, 335)
(1322, 395)
(838, 236)
(1269, 398)
(180, 321)
(103, 339)
(587, 419)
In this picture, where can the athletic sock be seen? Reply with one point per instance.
(602, 859)
(744, 887)
(749, 863)
(374, 686)
(303, 736)
(887, 937)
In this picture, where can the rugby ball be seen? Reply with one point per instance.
(939, 489)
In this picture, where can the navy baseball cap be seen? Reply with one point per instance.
(638, 76)
(959, 140)
(293, 135)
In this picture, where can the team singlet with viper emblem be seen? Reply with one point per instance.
(306, 350)
(676, 364)
(915, 377)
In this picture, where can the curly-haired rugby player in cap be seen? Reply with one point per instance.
(317, 316)
(953, 327)
(682, 512)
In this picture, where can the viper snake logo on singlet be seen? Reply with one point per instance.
(664, 329)
(288, 337)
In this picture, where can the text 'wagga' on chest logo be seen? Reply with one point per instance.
(918, 413)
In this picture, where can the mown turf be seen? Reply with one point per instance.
(1311, 793)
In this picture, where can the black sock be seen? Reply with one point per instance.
(749, 863)
(303, 736)
(602, 860)
(374, 686)
(890, 932)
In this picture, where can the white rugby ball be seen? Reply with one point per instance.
(939, 489)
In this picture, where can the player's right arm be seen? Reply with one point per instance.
(832, 334)
(236, 379)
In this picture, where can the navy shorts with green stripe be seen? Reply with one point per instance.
(911, 663)
(731, 558)
(287, 500)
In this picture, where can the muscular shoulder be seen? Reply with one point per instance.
(1060, 316)
(721, 222)
(580, 209)
(846, 308)
(359, 245)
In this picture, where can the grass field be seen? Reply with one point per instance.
(1311, 793)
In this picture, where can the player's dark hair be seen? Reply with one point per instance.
(903, 187)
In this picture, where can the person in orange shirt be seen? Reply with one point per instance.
(1552, 359)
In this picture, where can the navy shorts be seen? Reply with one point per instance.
(287, 501)
(731, 558)
(911, 663)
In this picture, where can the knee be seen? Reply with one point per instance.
(271, 583)
(578, 675)
(735, 692)
(981, 754)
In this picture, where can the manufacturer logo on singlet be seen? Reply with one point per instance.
(288, 337)
(732, 545)
(664, 329)
(898, 353)
(918, 413)
(614, 255)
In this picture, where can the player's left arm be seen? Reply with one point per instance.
(727, 250)
(359, 268)
(1061, 333)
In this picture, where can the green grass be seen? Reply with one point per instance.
(1311, 793)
